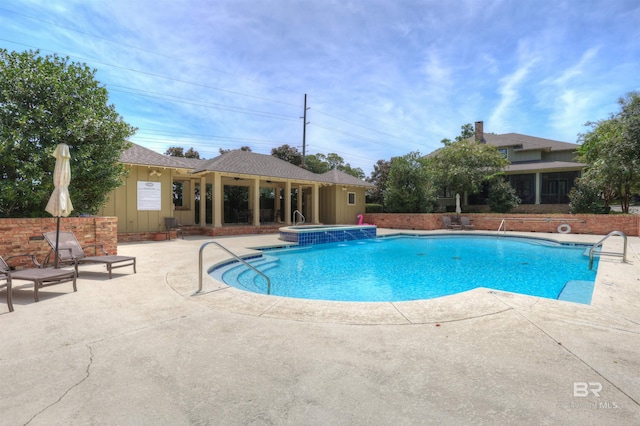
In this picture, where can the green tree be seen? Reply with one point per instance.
(585, 197)
(321, 163)
(46, 100)
(378, 177)
(466, 132)
(242, 148)
(288, 153)
(334, 161)
(464, 165)
(502, 197)
(192, 153)
(612, 151)
(316, 163)
(353, 171)
(409, 188)
(176, 151)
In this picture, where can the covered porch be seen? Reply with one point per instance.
(232, 199)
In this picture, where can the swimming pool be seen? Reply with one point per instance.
(418, 267)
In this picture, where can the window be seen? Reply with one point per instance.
(181, 194)
(445, 192)
(480, 198)
(556, 187)
(351, 198)
(504, 152)
(525, 186)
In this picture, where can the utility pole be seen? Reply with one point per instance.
(304, 129)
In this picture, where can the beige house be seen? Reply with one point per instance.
(233, 189)
(542, 171)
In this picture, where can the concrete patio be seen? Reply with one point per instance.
(145, 349)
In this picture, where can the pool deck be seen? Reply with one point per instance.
(148, 349)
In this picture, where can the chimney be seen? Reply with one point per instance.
(480, 132)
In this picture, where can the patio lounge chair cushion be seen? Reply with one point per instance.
(466, 223)
(39, 276)
(70, 251)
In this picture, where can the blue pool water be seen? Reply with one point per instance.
(410, 268)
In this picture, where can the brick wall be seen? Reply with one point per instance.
(197, 230)
(24, 236)
(580, 223)
(525, 208)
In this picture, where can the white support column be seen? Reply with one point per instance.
(255, 196)
(218, 202)
(315, 204)
(538, 188)
(287, 203)
(277, 204)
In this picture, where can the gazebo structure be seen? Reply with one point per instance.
(235, 188)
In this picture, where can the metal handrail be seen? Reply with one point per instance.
(504, 222)
(301, 215)
(610, 234)
(236, 257)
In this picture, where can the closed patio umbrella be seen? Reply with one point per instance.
(458, 209)
(60, 203)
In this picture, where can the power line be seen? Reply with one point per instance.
(224, 107)
(176, 99)
(233, 92)
(356, 124)
(130, 46)
(343, 132)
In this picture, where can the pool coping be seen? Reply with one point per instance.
(610, 281)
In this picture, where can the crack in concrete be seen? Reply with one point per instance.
(565, 348)
(65, 393)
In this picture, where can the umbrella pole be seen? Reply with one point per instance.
(55, 261)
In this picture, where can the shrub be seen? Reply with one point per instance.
(502, 197)
(585, 198)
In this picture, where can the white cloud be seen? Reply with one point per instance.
(400, 76)
(509, 90)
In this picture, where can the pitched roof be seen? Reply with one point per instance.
(527, 143)
(545, 166)
(339, 177)
(250, 163)
(240, 162)
(140, 155)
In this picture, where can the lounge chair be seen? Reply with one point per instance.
(466, 223)
(446, 220)
(70, 252)
(5, 282)
(39, 276)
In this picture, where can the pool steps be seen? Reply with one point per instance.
(577, 291)
(264, 263)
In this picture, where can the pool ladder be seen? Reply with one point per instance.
(503, 223)
(301, 216)
(599, 243)
(236, 257)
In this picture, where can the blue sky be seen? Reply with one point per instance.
(383, 78)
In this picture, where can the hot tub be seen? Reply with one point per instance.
(319, 234)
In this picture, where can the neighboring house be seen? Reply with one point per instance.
(542, 171)
(270, 190)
